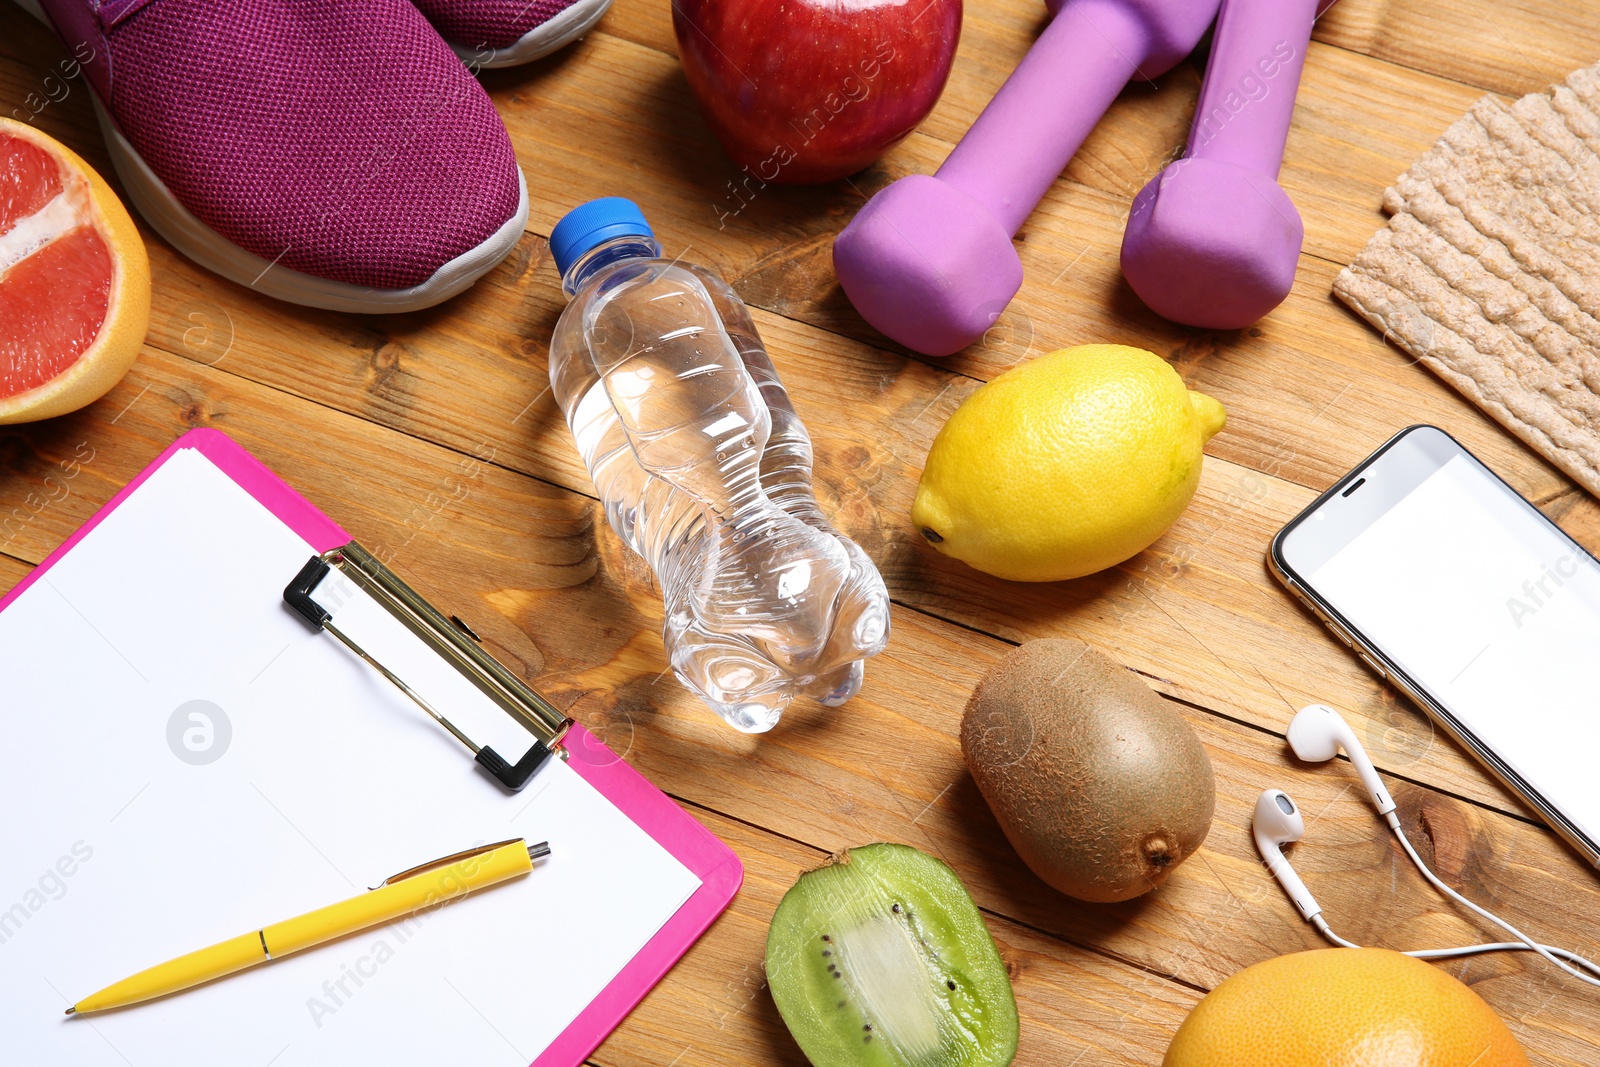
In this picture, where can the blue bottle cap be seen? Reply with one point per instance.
(590, 224)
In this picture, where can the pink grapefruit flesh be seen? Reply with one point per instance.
(74, 280)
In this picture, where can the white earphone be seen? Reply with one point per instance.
(1277, 822)
(1316, 734)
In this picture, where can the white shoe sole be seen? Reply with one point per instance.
(216, 253)
(538, 42)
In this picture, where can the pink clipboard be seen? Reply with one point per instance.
(718, 869)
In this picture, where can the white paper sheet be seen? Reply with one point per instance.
(123, 846)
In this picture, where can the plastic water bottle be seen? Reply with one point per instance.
(705, 471)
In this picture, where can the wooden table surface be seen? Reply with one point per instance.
(434, 439)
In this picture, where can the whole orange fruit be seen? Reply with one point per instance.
(1343, 1007)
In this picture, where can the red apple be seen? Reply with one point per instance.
(812, 90)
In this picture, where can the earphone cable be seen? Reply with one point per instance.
(1466, 950)
(1524, 941)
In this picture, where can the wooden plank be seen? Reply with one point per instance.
(1513, 47)
(1578, 513)
(12, 571)
(56, 474)
(37, 88)
(1357, 126)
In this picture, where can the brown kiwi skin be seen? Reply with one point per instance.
(1097, 782)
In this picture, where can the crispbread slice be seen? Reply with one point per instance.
(1489, 270)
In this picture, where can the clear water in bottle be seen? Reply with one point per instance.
(705, 470)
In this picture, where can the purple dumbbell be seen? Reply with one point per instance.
(929, 260)
(1213, 240)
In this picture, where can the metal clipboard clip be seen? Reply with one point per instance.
(452, 640)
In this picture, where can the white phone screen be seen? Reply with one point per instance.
(1492, 612)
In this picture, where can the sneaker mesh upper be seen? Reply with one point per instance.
(340, 138)
(489, 23)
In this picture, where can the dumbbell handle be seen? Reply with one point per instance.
(1041, 115)
(1257, 53)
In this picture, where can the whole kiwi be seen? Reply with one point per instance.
(1098, 783)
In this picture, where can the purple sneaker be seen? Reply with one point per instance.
(503, 33)
(325, 152)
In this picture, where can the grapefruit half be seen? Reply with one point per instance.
(74, 280)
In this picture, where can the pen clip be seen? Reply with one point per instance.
(445, 861)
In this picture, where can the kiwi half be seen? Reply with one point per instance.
(880, 959)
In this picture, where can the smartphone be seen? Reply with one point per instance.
(1454, 588)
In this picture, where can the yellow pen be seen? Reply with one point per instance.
(437, 882)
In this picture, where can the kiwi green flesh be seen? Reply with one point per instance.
(881, 959)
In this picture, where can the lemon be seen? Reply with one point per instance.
(1065, 465)
(1343, 1007)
